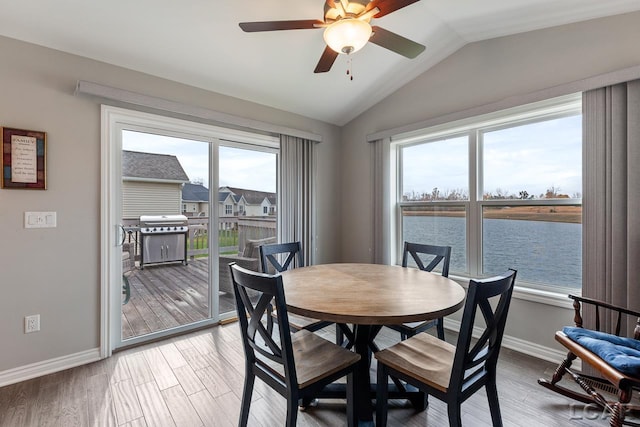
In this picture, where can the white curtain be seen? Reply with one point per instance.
(297, 194)
(611, 199)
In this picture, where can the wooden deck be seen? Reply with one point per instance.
(167, 296)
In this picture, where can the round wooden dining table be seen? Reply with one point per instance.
(369, 296)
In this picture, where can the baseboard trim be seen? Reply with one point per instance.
(517, 344)
(50, 366)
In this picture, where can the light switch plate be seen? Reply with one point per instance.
(40, 220)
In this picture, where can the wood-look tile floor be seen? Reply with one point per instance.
(196, 380)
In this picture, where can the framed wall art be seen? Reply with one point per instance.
(24, 154)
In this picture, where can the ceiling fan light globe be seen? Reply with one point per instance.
(347, 35)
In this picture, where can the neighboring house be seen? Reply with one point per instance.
(227, 204)
(151, 184)
(195, 200)
(252, 202)
(232, 202)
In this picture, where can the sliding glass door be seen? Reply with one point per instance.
(177, 198)
(247, 208)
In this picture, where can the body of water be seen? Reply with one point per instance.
(548, 253)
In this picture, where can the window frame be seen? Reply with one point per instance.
(475, 128)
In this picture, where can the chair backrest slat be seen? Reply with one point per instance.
(254, 293)
(439, 253)
(483, 355)
(291, 252)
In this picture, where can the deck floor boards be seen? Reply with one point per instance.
(169, 295)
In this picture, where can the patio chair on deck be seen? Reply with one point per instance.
(615, 359)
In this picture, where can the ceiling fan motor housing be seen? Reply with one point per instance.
(354, 8)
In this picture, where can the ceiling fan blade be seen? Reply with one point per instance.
(388, 6)
(326, 60)
(305, 24)
(395, 42)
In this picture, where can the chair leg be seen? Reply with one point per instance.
(562, 368)
(440, 328)
(617, 415)
(382, 396)
(351, 412)
(339, 335)
(494, 404)
(455, 417)
(249, 380)
(292, 411)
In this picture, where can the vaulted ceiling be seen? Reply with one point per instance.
(199, 43)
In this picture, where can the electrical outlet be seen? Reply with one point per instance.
(32, 323)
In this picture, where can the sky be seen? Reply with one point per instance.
(532, 158)
(240, 168)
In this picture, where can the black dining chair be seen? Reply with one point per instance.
(426, 258)
(298, 365)
(279, 257)
(453, 373)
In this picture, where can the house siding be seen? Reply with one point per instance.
(145, 198)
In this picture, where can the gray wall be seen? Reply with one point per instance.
(56, 272)
(479, 74)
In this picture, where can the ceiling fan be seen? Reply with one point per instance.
(348, 29)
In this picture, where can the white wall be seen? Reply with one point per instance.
(479, 74)
(56, 272)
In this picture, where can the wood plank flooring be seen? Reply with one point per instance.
(196, 380)
(169, 295)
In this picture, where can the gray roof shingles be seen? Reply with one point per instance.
(153, 166)
(195, 193)
(254, 197)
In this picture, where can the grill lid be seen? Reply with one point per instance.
(163, 220)
(163, 223)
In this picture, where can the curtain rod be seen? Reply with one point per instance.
(181, 110)
(594, 82)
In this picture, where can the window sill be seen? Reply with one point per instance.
(522, 292)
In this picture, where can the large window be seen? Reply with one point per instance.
(503, 192)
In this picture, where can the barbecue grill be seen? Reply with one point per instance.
(164, 239)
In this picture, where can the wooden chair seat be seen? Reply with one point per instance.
(426, 358)
(316, 358)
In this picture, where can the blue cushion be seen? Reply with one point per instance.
(621, 353)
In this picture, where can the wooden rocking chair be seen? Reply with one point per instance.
(617, 379)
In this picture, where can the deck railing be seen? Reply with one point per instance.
(233, 233)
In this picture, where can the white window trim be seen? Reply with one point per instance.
(473, 127)
(113, 121)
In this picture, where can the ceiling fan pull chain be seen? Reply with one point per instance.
(349, 67)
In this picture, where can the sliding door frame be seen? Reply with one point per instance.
(114, 121)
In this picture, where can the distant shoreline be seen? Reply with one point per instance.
(570, 214)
